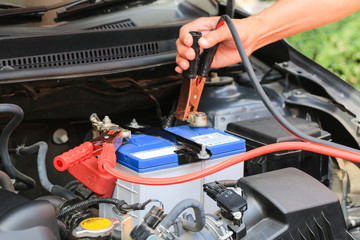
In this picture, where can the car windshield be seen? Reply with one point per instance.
(26, 17)
(33, 3)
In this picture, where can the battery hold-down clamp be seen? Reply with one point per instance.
(86, 161)
(193, 83)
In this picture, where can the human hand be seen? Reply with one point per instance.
(279, 21)
(226, 54)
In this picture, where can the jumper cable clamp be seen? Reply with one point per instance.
(193, 83)
(86, 162)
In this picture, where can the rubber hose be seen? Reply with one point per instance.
(169, 220)
(55, 201)
(88, 203)
(18, 115)
(42, 148)
(5, 182)
(63, 192)
(62, 229)
(20, 186)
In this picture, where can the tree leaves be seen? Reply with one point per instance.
(335, 46)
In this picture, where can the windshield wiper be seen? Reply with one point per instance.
(13, 10)
(22, 11)
(87, 5)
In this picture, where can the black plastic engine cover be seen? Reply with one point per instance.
(21, 218)
(289, 204)
(263, 131)
(10, 200)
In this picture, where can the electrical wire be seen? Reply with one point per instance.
(158, 201)
(148, 94)
(116, 202)
(311, 144)
(321, 149)
(272, 109)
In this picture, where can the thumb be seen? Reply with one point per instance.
(212, 38)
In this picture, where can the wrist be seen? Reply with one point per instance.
(260, 32)
(250, 30)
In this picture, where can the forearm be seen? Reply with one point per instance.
(289, 17)
(283, 19)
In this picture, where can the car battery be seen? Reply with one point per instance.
(263, 131)
(158, 157)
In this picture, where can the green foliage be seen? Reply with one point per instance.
(335, 46)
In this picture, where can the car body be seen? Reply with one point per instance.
(119, 61)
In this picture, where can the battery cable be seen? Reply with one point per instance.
(321, 149)
(309, 143)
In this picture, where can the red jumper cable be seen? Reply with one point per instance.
(86, 162)
(99, 174)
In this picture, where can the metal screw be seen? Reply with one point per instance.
(237, 215)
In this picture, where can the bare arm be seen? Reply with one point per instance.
(281, 20)
(289, 17)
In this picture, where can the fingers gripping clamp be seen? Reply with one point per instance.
(191, 72)
(196, 74)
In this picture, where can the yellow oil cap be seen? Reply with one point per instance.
(96, 223)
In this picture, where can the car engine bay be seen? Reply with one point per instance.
(91, 147)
